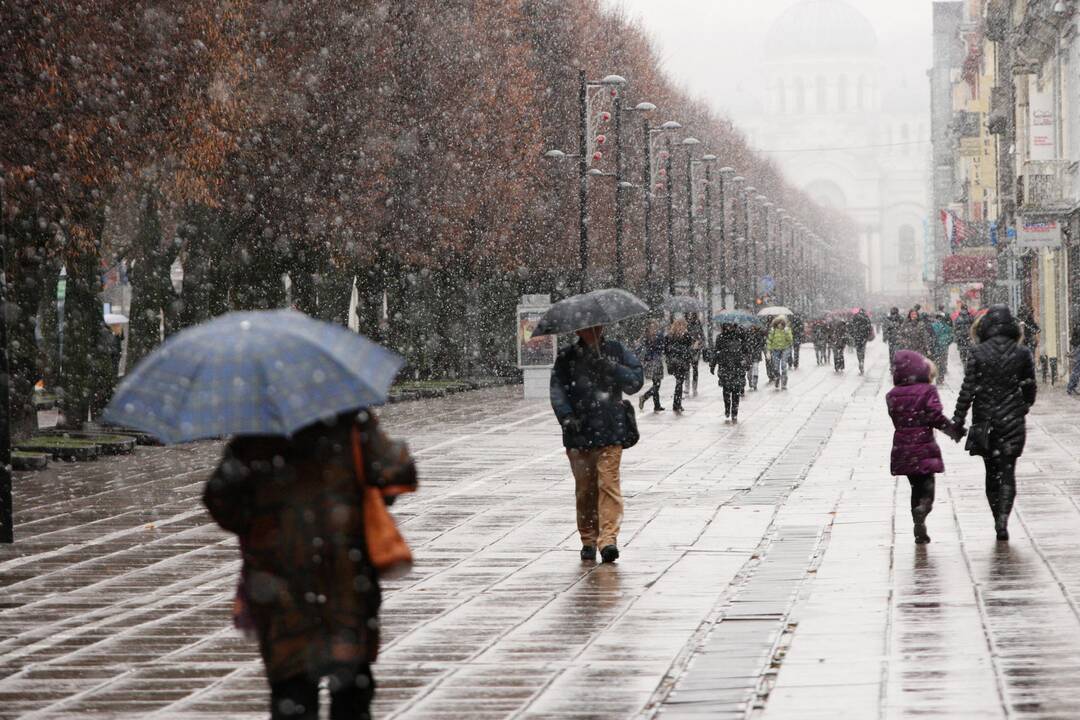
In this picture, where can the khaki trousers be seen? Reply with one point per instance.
(599, 497)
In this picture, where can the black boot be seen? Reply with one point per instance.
(918, 515)
(1001, 527)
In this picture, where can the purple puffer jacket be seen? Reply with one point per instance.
(915, 409)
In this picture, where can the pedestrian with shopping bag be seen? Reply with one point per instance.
(587, 386)
(304, 483)
(916, 411)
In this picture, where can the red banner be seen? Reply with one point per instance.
(969, 268)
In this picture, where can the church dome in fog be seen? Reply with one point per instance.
(821, 28)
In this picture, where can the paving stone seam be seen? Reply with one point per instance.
(976, 590)
(742, 578)
(804, 589)
(115, 535)
(59, 630)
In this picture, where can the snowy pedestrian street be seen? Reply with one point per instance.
(768, 570)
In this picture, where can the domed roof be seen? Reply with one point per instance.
(821, 27)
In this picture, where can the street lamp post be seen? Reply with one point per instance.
(761, 247)
(650, 187)
(781, 268)
(708, 160)
(620, 184)
(726, 174)
(670, 220)
(688, 144)
(738, 239)
(583, 157)
(749, 193)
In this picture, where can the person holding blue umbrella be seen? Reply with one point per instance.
(303, 483)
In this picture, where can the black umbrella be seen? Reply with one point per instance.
(599, 307)
(682, 304)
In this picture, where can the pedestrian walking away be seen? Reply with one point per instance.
(587, 385)
(798, 332)
(962, 333)
(729, 363)
(891, 331)
(651, 354)
(916, 411)
(779, 345)
(678, 353)
(819, 333)
(999, 389)
(755, 349)
(943, 338)
(297, 506)
(862, 332)
(697, 335)
(838, 337)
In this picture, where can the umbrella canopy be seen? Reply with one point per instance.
(736, 317)
(115, 319)
(774, 310)
(252, 373)
(599, 307)
(682, 304)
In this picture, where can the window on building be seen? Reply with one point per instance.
(800, 95)
(781, 96)
(905, 245)
(860, 93)
(822, 94)
(841, 94)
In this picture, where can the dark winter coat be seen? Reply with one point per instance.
(798, 328)
(838, 335)
(915, 409)
(679, 353)
(296, 506)
(915, 335)
(729, 357)
(587, 391)
(860, 329)
(891, 326)
(697, 336)
(756, 337)
(651, 355)
(962, 329)
(999, 384)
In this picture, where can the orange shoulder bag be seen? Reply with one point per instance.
(386, 548)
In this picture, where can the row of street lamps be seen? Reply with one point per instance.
(793, 254)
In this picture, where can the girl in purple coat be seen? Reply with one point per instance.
(915, 409)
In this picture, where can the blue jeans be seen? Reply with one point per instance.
(779, 361)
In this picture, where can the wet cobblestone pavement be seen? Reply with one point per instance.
(768, 571)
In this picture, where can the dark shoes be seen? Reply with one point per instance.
(588, 553)
(921, 538)
(1001, 527)
(658, 409)
(609, 553)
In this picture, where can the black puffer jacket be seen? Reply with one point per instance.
(729, 356)
(999, 383)
(586, 393)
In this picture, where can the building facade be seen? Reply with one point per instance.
(1013, 148)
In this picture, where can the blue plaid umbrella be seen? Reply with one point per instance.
(252, 373)
(736, 317)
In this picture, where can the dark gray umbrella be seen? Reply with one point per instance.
(682, 304)
(599, 307)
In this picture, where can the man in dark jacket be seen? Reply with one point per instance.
(999, 388)
(891, 330)
(729, 363)
(798, 332)
(861, 330)
(587, 384)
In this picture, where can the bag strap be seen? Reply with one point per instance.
(358, 457)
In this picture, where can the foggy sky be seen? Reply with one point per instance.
(711, 46)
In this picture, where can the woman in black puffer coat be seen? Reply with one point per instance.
(999, 387)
